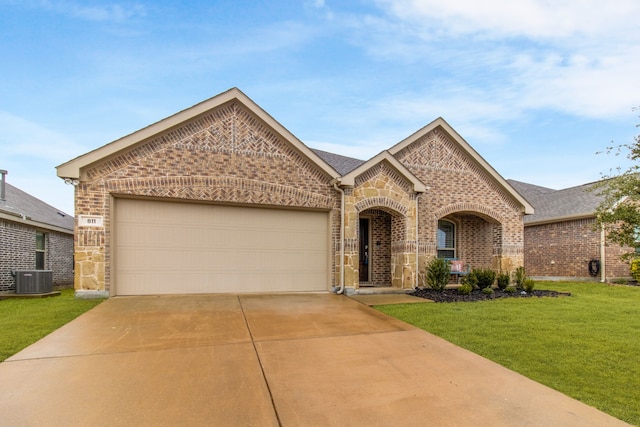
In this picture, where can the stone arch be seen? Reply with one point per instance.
(379, 203)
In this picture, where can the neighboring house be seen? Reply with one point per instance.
(222, 198)
(33, 236)
(560, 238)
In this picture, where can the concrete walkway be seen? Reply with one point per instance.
(261, 360)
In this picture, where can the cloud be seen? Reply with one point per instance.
(524, 18)
(23, 138)
(97, 13)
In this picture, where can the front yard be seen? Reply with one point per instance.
(586, 345)
(25, 321)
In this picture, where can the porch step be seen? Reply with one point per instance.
(381, 290)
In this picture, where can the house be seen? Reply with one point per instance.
(221, 197)
(561, 241)
(33, 236)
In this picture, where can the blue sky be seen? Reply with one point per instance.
(536, 87)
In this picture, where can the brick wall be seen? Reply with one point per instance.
(18, 252)
(564, 249)
(490, 219)
(226, 156)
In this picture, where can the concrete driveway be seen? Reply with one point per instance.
(261, 360)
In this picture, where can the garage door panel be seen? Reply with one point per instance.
(163, 247)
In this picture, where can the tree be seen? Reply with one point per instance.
(619, 212)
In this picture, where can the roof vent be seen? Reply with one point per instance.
(2, 186)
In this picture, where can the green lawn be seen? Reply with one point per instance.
(25, 321)
(586, 345)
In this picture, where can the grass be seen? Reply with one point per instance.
(586, 346)
(25, 321)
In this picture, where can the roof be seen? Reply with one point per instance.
(558, 205)
(24, 208)
(342, 164)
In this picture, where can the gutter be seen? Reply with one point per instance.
(603, 257)
(340, 289)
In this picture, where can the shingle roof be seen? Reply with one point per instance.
(25, 206)
(550, 204)
(342, 164)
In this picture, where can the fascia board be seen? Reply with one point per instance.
(440, 122)
(73, 168)
(560, 219)
(25, 220)
(349, 179)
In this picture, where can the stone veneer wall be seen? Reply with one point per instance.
(458, 186)
(226, 155)
(564, 249)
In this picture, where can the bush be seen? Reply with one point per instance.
(520, 277)
(503, 281)
(465, 289)
(528, 285)
(487, 291)
(635, 269)
(510, 289)
(438, 272)
(480, 278)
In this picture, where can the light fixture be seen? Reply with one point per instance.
(72, 181)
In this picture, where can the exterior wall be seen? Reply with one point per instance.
(490, 219)
(564, 249)
(224, 156)
(18, 252)
(382, 188)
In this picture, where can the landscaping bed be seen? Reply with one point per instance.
(452, 295)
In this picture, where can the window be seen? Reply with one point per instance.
(40, 250)
(446, 239)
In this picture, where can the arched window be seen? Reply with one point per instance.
(446, 239)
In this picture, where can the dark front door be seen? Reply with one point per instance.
(364, 250)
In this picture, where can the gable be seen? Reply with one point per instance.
(204, 126)
(383, 162)
(438, 153)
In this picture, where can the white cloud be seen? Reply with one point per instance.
(524, 18)
(22, 137)
(100, 13)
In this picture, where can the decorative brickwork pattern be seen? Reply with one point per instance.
(490, 227)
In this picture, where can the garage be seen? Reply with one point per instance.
(184, 248)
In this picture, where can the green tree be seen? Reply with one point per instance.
(619, 212)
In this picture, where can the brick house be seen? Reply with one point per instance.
(560, 238)
(222, 198)
(33, 236)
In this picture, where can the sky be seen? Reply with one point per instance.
(538, 88)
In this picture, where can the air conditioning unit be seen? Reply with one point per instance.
(34, 281)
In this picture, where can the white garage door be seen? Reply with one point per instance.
(174, 248)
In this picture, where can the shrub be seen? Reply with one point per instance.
(487, 291)
(465, 289)
(438, 272)
(635, 269)
(503, 280)
(482, 278)
(510, 289)
(528, 285)
(520, 277)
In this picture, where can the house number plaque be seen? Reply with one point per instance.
(90, 221)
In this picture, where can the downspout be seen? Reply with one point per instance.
(603, 257)
(340, 290)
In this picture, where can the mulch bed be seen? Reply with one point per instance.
(452, 295)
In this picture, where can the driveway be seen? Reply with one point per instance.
(265, 360)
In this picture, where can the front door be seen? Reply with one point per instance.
(364, 253)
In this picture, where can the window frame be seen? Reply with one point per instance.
(446, 251)
(41, 252)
